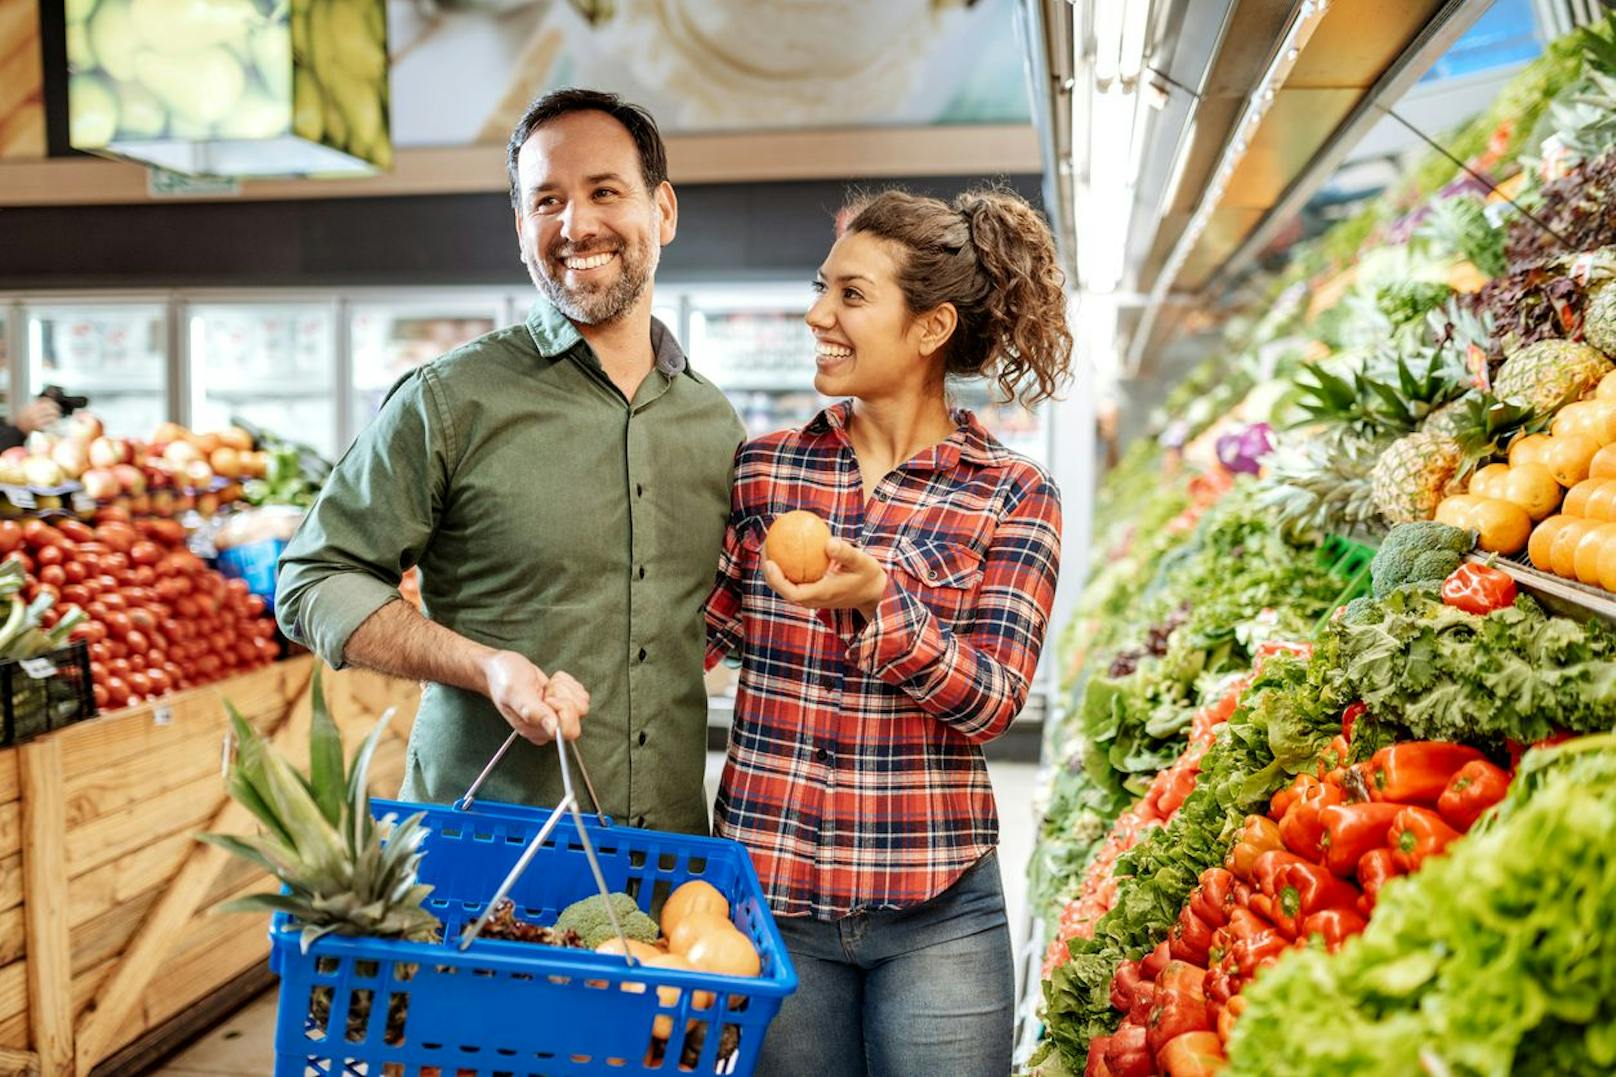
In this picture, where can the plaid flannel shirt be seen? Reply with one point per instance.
(855, 774)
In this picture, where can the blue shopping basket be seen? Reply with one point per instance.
(472, 1007)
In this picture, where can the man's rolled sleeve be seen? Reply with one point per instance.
(370, 524)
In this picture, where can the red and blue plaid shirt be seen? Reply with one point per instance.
(855, 774)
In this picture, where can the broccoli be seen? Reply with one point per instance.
(590, 920)
(1417, 553)
(1359, 611)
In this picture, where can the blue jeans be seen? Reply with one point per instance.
(927, 991)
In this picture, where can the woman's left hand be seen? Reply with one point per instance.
(854, 581)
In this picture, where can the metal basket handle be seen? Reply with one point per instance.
(470, 797)
(569, 803)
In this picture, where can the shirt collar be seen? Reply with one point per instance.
(970, 440)
(554, 335)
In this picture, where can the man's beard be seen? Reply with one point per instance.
(598, 304)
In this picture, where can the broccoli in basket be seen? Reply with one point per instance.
(1424, 552)
(590, 920)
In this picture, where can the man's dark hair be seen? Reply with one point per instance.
(641, 127)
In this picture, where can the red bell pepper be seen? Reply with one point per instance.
(1287, 796)
(1416, 834)
(1350, 716)
(1304, 889)
(1335, 926)
(1144, 1000)
(1333, 760)
(1212, 898)
(1301, 830)
(1096, 1066)
(1190, 939)
(1221, 987)
(1416, 772)
(1231, 1013)
(1377, 866)
(1180, 1005)
(1193, 1054)
(1478, 589)
(1269, 648)
(1254, 942)
(1258, 836)
(1478, 786)
(1125, 983)
(1182, 781)
(1351, 830)
(1268, 865)
(1265, 907)
(1128, 1055)
(1152, 963)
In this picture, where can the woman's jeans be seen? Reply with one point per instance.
(927, 991)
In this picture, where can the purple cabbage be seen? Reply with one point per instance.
(1242, 452)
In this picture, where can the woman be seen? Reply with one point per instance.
(855, 774)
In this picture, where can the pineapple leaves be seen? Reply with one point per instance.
(325, 758)
(358, 792)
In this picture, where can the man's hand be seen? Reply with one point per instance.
(569, 700)
(39, 413)
(854, 581)
(521, 691)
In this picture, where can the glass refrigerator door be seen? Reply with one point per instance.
(387, 340)
(273, 364)
(110, 352)
(753, 344)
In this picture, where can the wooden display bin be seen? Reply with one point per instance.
(107, 928)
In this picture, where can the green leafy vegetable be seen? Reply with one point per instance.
(1418, 553)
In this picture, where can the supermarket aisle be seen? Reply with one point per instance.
(244, 1045)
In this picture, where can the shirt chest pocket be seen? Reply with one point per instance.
(943, 575)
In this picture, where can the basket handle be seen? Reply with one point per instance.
(470, 797)
(569, 803)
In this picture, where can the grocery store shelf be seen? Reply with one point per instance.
(1562, 595)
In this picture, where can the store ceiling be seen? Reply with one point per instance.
(1221, 170)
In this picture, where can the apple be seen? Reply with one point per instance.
(107, 452)
(169, 433)
(130, 479)
(40, 443)
(198, 475)
(85, 427)
(43, 472)
(11, 462)
(71, 457)
(101, 484)
(181, 453)
(226, 461)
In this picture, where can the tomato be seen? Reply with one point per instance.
(75, 571)
(22, 559)
(77, 530)
(118, 667)
(136, 640)
(115, 563)
(113, 601)
(117, 621)
(139, 684)
(100, 652)
(144, 575)
(99, 691)
(105, 583)
(145, 553)
(118, 537)
(48, 589)
(10, 536)
(53, 575)
(186, 609)
(140, 617)
(50, 555)
(255, 606)
(246, 650)
(159, 680)
(34, 532)
(237, 587)
(137, 662)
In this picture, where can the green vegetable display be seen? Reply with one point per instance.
(1423, 552)
(1438, 673)
(1494, 959)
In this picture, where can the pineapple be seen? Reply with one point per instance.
(1599, 318)
(346, 873)
(1387, 397)
(1550, 374)
(1416, 472)
(1320, 486)
(1413, 474)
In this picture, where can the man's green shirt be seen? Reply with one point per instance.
(550, 517)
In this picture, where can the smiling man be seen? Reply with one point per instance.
(563, 484)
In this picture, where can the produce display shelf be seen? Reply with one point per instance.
(1560, 591)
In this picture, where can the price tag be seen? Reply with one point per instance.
(163, 716)
(38, 668)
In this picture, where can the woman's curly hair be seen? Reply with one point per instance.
(991, 255)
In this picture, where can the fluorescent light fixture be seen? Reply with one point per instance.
(1131, 54)
(1108, 32)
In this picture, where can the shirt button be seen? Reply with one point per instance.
(642, 740)
(642, 654)
(822, 755)
(639, 489)
(642, 572)
(640, 822)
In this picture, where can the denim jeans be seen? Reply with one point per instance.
(921, 992)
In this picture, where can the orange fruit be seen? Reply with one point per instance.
(796, 542)
(694, 896)
(1542, 542)
(1603, 465)
(1531, 449)
(1501, 526)
(1562, 555)
(1455, 511)
(693, 927)
(1585, 560)
(1533, 488)
(1489, 481)
(1607, 387)
(1607, 566)
(1568, 458)
(728, 952)
(1601, 504)
(1576, 499)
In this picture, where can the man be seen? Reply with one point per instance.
(563, 484)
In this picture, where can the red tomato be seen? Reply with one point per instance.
(77, 530)
(118, 537)
(136, 640)
(106, 583)
(10, 536)
(117, 620)
(34, 532)
(113, 601)
(115, 563)
(237, 586)
(246, 650)
(99, 691)
(139, 684)
(53, 574)
(137, 661)
(77, 594)
(145, 553)
(144, 575)
(118, 667)
(76, 571)
(141, 617)
(22, 559)
(101, 652)
(186, 609)
(48, 589)
(255, 606)
(159, 680)
(50, 555)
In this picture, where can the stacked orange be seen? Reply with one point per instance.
(1580, 542)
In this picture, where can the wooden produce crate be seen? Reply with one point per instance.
(106, 924)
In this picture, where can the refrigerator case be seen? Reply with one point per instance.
(112, 353)
(273, 364)
(388, 340)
